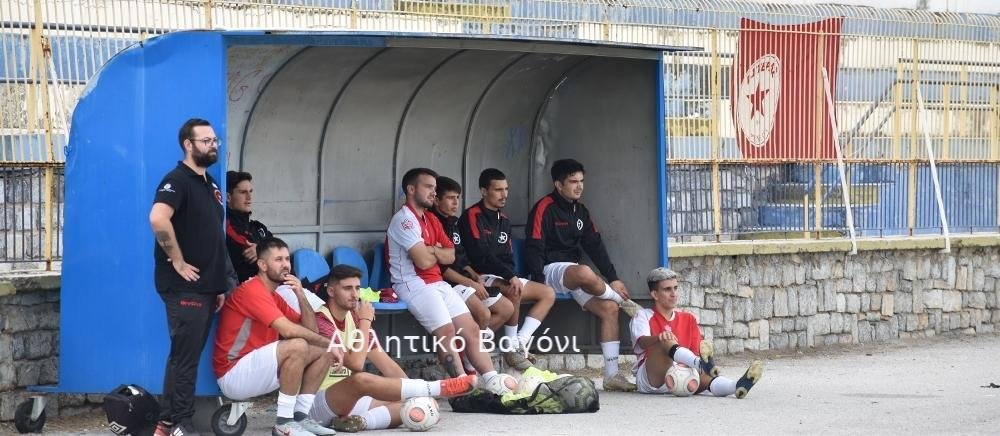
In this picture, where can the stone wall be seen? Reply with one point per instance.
(780, 301)
(29, 344)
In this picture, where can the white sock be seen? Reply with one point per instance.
(410, 388)
(610, 294)
(686, 357)
(510, 331)
(286, 405)
(377, 418)
(528, 329)
(610, 351)
(304, 403)
(722, 387)
(489, 375)
(466, 363)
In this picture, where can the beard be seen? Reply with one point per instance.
(204, 159)
(425, 203)
(276, 276)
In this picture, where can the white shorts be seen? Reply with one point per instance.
(465, 292)
(433, 305)
(322, 414)
(554, 273)
(489, 278)
(254, 374)
(642, 382)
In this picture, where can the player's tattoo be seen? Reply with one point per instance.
(163, 238)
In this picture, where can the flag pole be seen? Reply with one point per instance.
(934, 174)
(840, 163)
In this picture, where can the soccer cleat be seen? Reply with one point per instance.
(162, 429)
(618, 383)
(707, 351)
(184, 428)
(290, 428)
(516, 359)
(311, 426)
(630, 308)
(350, 424)
(749, 379)
(458, 386)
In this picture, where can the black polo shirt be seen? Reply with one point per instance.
(198, 225)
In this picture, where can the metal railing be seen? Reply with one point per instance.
(49, 49)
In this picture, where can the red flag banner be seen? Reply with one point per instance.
(778, 100)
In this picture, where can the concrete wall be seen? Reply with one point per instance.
(800, 300)
(29, 345)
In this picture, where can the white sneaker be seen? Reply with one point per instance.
(315, 428)
(290, 428)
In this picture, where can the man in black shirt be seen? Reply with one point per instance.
(242, 233)
(192, 268)
(488, 240)
(558, 226)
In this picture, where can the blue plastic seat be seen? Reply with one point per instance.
(518, 249)
(379, 273)
(308, 265)
(349, 256)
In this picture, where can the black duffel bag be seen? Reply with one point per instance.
(131, 410)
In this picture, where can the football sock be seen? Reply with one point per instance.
(610, 352)
(722, 387)
(410, 388)
(377, 418)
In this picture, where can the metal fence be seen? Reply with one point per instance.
(885, 60)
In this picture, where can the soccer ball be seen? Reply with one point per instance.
(420, 413)
(682, 380)
(528, 384)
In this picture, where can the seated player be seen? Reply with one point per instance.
(489, 310)
(665, 335)
(558, 227)
(488, 238)
(242, 233)
(249, 358)
(353, 399)
(415, 245)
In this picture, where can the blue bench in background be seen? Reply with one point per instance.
(350, 256)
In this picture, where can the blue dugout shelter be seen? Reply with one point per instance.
(327, 123)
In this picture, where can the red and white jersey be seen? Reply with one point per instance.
(406, 230)
(648, 322)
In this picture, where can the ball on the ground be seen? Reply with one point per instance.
(528, 384)
(420, 413)
(682, 380)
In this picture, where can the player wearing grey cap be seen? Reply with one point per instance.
(664, 336)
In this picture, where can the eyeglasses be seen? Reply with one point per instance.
(207, 141)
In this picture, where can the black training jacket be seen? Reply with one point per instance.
(556, 230)
(488, 240)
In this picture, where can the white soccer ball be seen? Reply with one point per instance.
(528, 384)
(420, 413)
(508, 382)
(682, 380)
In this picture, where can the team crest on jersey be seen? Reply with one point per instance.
(407, 225)
(579, 224)
(456, 238)
(502, 238)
